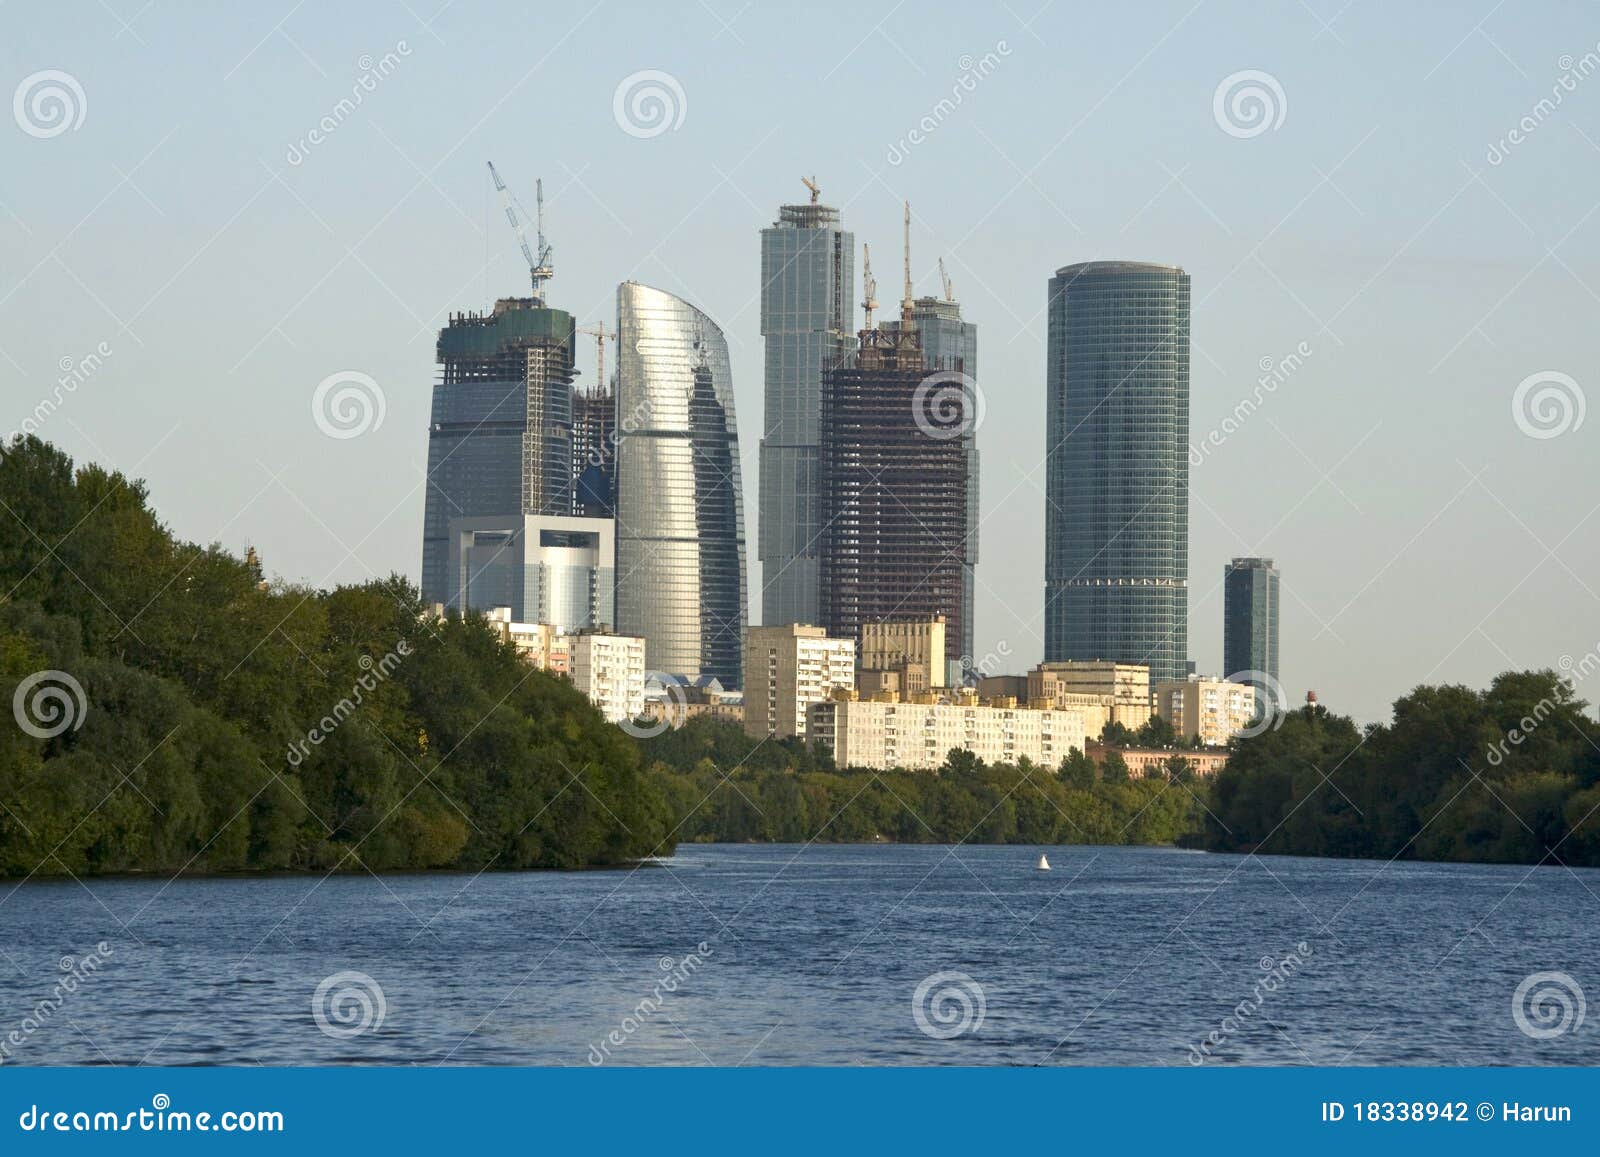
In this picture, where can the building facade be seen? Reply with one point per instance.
(893, 644)
(1210, 710)
(1250, 628)
(594, 425)
(788, 668)
(560, 571)
(918, 736)
(680, 502)
(1143, 761)
(500, 429)
(950, 346)
(609, 669)
(895, 495)
(1117, 466)
(807, 302)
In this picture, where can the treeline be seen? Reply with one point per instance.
(1506, 775)
(726, 787)
(171, 713)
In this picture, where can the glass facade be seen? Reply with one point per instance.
(500, 431)
(807, 298)
(1117, 473)
(546, 569)
(680, 505)
(1250, 625)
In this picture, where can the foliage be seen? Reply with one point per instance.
(229, 727)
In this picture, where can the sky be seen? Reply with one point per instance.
(1402, 196)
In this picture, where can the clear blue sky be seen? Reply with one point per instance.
(1421, 534)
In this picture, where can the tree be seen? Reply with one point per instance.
(1078, 770)
(1114, 769)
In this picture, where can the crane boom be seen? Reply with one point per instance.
(539, 268)
(949, 288)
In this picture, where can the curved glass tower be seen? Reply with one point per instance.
(680, 505)
(1117, 526)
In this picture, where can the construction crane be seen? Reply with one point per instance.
(811, 183)
(907, 306)
(600, 334)
(869, 284)
(540, 269)
(949, 288)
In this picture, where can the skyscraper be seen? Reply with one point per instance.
(950, 346)
(807, 302)
(680, 506)
(594, 424)
(1117, 473)
(1250, 626)
(500, 432)
(895, 486)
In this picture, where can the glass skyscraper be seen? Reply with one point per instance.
(1250, 626)
(500, 432)
(807, 298)
(1117, 466)
(680, 505)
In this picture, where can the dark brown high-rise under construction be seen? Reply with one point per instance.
(894, 482)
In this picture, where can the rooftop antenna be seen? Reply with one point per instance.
(811, 183)
(949, 288)
(905, 302)
(869, 284)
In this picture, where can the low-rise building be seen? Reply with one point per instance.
(609, 669)
(1212, 710)
(541, 644)
(788, 668)
(681, 702)
(1204, 761)
(888, 733)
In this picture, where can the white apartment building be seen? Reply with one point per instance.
(1212, 709)
(918, 736)
(609, 669)
(788, 668)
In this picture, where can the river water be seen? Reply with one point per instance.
(836, 955)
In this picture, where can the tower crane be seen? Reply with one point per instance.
(906, 304)
(949, 289)
(540, 268)
(869, 284)
(811, 183)
(600, 334)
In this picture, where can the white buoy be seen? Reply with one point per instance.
(1043, 865)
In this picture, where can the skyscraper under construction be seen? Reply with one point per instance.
(895, 483)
